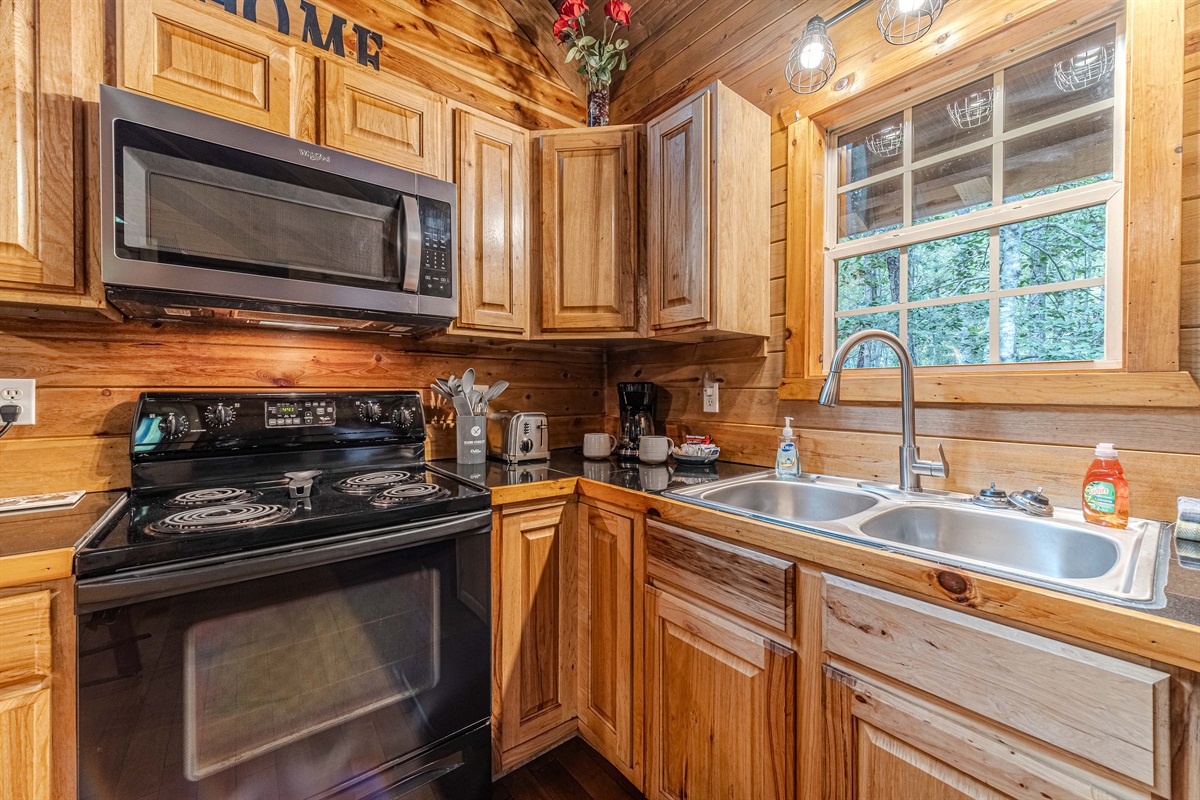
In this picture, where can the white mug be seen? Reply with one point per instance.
(598, 445)
(655, 449)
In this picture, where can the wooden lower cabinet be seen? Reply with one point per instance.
(25, 688)
(610, 629)
(720, 707)
(534, 597)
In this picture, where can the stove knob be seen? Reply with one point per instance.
(403, 418)
(370, 410)
(173, 427)
(219, 416)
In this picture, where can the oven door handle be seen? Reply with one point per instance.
(157, 582)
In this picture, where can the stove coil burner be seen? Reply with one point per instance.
(210, 497)
(411, 493)
(213, 519)
(372, 482)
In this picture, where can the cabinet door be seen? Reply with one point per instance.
(589, 231)
(38, 209)
(679, 215)
(537, 624)
(25, 743)
(383, 119)
(720, 707)
(200, 56)
(492, 172)
(886, 744)
(609, 697)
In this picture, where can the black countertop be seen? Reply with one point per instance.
(1183, 573)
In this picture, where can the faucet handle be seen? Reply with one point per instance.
(934, 469)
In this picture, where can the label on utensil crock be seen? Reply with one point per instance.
(1100, 496)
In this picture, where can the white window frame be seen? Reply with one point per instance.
(1109, 193)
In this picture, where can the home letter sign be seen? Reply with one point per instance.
(330, 39)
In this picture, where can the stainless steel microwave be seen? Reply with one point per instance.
(206, 219)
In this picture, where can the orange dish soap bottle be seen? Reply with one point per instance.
(1105, 490)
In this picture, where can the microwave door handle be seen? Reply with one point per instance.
(412, 240)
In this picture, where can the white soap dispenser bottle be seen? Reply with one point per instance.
(787, 459)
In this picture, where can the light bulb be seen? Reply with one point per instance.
(811, 55)
(908, 6)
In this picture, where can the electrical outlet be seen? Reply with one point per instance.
(20, 392)
(712, 402)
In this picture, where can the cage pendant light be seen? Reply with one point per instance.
(905, 21)
(812, 60)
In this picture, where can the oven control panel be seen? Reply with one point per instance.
(216, 423)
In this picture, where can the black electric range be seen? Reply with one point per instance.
(289, 598)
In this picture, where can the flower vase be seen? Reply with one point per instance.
(598, 106)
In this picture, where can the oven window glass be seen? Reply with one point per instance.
(288, 686)
(185, 201)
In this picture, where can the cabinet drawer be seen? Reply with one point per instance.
(24, 637)
(1109, 711)
(756, 586)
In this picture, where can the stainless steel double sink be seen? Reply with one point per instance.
(1063, 552)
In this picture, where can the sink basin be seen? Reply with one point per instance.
(790, 500)
(1036, 546)
(1063, 552)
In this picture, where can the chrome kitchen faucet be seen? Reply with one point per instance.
(911, 465)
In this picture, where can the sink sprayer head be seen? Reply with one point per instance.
(831, 388)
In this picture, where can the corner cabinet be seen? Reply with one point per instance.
(610, 634)
(709, 218)
(491, 168)
(534, 595)
(587, 238)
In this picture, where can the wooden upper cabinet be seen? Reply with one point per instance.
(720, 707)
(40, 206)
(708, 217)
(384, 119)
(588, 237)
(492, 173)
(200, 56)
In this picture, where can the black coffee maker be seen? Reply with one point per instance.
(638, 401)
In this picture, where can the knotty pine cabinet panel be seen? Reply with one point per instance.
(41, 129)
(25, 670)
(384, 119)
(610, 626)
(720, 707)
(1046, 689)
(708, 217)
(492, 172)
(199, 56)
(535, 597)
(885, 743)
(588, 230)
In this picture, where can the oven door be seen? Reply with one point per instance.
(351, 669)
(204, 206)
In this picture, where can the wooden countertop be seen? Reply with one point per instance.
(40, 545)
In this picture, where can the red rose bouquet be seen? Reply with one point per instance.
(599, 56)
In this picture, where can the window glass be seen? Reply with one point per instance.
(953, 187)
(1072, 154)
(874, 353)
(870, 280)
(1057, 249)
(958, 118)
(1065, 79)
(872, 209)
(1054, 326)
(870, 151)
(949, 267)
(950, 334)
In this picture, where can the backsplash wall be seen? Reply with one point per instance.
(89, 376)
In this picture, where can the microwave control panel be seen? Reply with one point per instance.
(437, 249)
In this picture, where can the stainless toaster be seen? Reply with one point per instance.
(517, 436)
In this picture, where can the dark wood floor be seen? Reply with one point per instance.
(572, 771)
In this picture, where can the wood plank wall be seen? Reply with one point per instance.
(1015, 446)
(89, 376)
